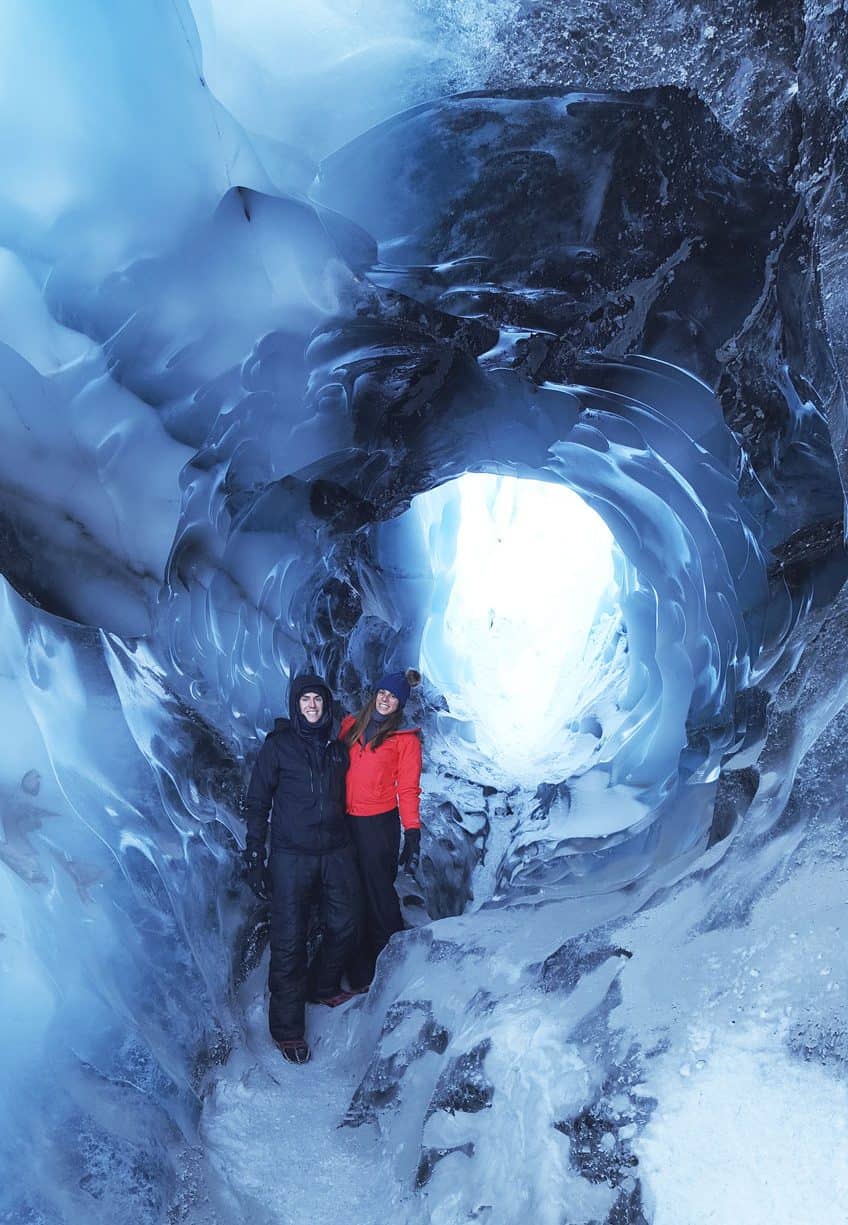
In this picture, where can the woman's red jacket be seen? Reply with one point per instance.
(385, 778)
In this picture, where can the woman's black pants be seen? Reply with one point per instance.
(299, 880)
(377, 843)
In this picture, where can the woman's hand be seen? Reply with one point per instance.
(411, 853)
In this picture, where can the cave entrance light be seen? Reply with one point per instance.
(521, 571)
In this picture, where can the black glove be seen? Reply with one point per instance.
(256, 874)
(411, 852)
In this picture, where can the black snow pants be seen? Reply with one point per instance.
(298, 881)
(377, 842)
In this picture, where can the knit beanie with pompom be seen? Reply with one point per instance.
(399, 683)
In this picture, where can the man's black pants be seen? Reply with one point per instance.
(377, 842)
(299, 880)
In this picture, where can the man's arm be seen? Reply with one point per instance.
(259, 797)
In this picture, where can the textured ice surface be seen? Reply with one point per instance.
(262, 284)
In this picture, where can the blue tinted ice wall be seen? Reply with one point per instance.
(218, 375)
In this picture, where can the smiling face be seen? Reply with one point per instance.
(386, 703)
(311, 706)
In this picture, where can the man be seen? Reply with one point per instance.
(299, 777)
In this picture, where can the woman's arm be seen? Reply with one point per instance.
(409, 780)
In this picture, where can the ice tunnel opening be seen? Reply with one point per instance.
(518, 606)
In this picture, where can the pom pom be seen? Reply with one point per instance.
(413, 677)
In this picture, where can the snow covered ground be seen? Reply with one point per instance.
(751, 1122)
(274, 1131)
(746, 1134)
(730, 1109)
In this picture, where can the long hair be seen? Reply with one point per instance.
(357, 731)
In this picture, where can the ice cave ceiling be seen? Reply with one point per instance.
(268, 279)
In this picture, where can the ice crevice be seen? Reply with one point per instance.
(247, 359)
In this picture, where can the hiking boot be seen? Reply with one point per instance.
(333, 1001)
(294, 1050)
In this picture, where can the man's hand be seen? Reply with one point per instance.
(411, 852)
(256, 874)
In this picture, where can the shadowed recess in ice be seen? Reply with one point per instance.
(228, 369)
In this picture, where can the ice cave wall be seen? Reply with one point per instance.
(220, 374)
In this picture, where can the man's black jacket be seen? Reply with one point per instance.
(299, 777)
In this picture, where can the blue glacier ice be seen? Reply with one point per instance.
(273, 282)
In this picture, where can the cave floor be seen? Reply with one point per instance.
(272, 1131)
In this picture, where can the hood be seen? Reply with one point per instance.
(303, 684)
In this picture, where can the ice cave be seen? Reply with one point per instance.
(504, 340)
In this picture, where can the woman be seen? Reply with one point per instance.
(383, 784)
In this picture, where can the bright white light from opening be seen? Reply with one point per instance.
(519, 569)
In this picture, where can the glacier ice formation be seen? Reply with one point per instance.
(245, 321)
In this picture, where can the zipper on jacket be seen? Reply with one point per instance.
(327, 766)
(320, 795)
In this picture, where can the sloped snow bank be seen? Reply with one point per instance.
(747, 1134)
